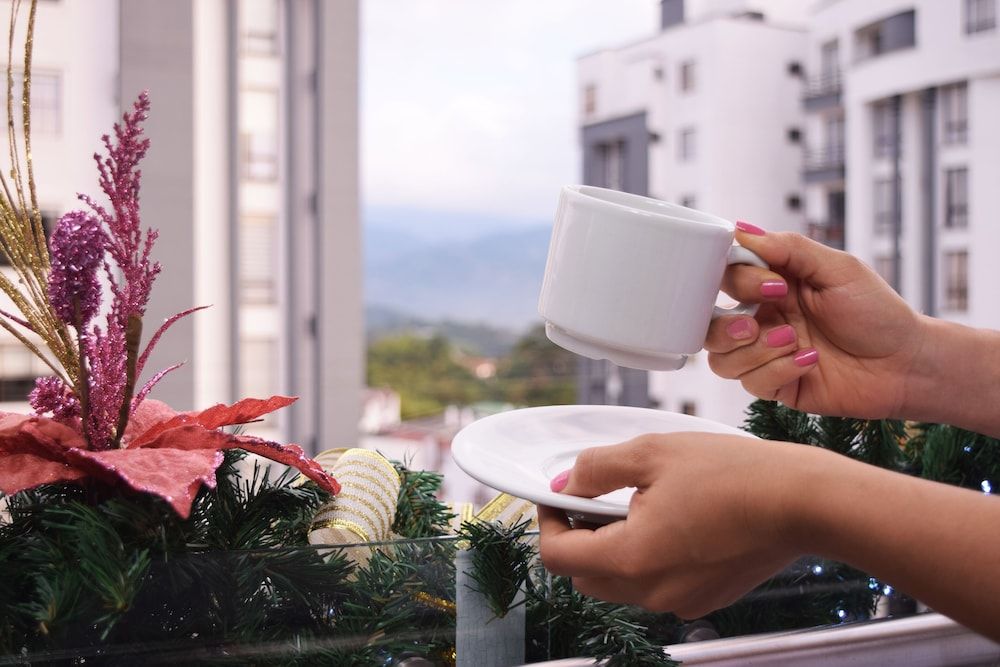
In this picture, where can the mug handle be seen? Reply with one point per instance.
(740, 255)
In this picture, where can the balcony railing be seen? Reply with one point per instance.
(822, 91)
(825, 164)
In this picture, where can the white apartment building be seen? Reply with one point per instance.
(251, 180)
(902, 112)
(705, 113)
(885, 139)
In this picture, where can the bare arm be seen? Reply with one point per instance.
(714, 516)
(955, 378)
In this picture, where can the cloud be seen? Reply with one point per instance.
(471, 106)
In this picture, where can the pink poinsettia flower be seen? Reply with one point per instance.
(163, 453)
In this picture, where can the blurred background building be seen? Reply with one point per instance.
(867, 125)
(251, 180)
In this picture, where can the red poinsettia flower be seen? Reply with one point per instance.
(164, 453)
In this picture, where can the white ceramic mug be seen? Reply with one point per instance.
(634, 280)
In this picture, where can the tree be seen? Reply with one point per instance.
(537, 372)
(424, 372)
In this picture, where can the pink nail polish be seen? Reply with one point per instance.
(806, 357)
(739, 329)
(780, 337)
(746, 227)
(774, 288)
(559, 482)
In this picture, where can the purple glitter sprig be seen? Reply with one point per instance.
(77, 244)
(52, 395)
(120, 179)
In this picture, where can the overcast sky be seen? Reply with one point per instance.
(469, 106)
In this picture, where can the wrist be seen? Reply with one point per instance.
(954, 377)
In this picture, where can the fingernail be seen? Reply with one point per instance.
(745, 226)
(774, 288)
(806, 357)
(739, 329)
(559, 482)
(780, 337)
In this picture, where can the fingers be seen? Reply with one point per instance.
(575, 552)
(772, 344)
(600, 470)
(731, 332)
(797, 255)
(752, 284)
(768, 380)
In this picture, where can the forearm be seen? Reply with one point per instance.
(937, 543)
(955, 378)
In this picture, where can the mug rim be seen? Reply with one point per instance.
(699, 218)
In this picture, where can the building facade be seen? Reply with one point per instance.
(251, 180)
(906, 96)
(870, 126)
(705, 113)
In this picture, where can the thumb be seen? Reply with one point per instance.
(600, 470)
(799, 257)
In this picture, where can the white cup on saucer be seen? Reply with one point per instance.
(634, 280)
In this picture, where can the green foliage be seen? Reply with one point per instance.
(501, 561)
(870, 441)
(424, 371)
(561, 621)
(537, 372)
(418, 511)
(954, 456)
(772, 421)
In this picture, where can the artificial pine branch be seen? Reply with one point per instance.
(772, 421)
(561, 621)
(418, 511)
(501, 561)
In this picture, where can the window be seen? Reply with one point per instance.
(956, 198)
(956, 280)
(829, 61)
(612, 164)
(885, 130)
(890, 34)
(18, 370)
(259, 27)
(46, 102)
(885, 266)
(688, 201)
(686, 144)
(687, 80)
(834, 129)
(955, 113)
(258, 367)
(258, 259)
(589, 99)
(259, 134)
(980, 15)
(883, 199)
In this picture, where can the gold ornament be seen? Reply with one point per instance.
(364, 509)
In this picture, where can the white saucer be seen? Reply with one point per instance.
(520, 451)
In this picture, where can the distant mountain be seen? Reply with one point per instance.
(478, 339)
(492, 279)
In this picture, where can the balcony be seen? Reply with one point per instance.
(822, 92)
(828, 233)
(824, 165)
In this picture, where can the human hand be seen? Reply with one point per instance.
(706, 524)
(831, 337)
